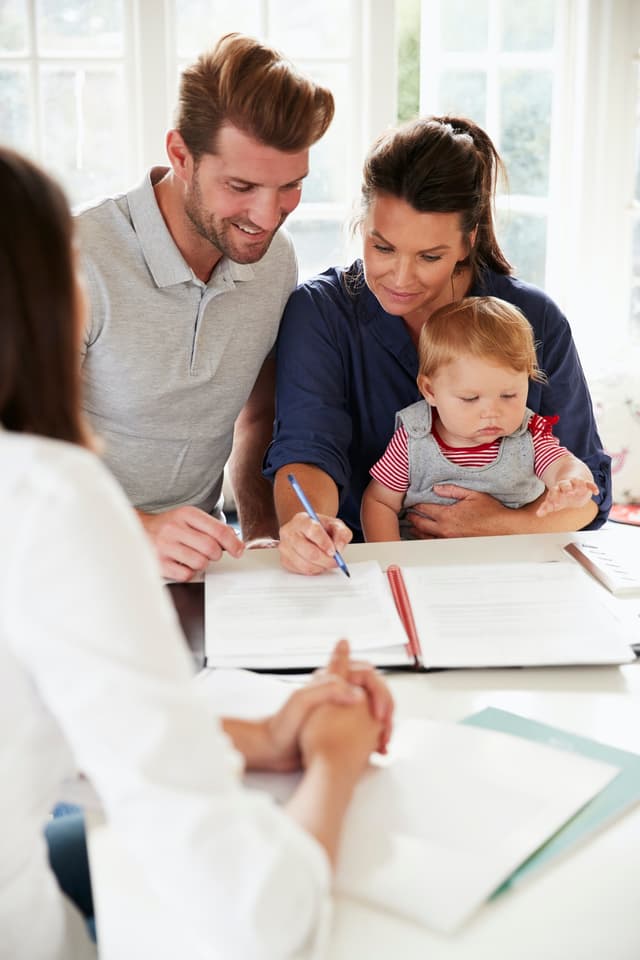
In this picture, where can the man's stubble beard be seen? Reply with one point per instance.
(218, 234)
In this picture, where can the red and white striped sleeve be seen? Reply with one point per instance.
(546, 446)
(392, 469)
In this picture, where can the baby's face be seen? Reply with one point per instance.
(477, 400)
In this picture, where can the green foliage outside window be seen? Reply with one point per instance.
(408, 32)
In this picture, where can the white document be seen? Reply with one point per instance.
(435, 830)
(436, 826)
(611, 558)
(519, 614)
(268, 618)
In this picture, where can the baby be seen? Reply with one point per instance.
(473, 427)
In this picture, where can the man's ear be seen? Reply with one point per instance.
(180, 156)
(424, 386)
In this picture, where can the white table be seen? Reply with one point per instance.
(585, 906)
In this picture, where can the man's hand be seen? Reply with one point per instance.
(472, 515)
(308, 547)
(187, 539)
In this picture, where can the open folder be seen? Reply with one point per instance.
(424, 617)
(440, 823)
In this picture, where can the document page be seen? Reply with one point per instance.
(445, 820)
(519, 614)
(413, 843)
(272, 618)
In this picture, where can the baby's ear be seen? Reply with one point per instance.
(424, 386)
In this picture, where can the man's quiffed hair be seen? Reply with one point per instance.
(247, 84)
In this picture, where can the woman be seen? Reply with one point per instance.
(347, 349)
(95, 675)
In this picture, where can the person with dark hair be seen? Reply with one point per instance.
(347, 349)
(188, 275)
(96, 676)
(472, 427)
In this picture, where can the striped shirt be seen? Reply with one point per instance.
(392, 469)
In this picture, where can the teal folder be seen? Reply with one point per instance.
(620, 794)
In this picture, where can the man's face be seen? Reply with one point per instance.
(237, 197)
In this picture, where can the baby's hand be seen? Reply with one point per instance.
(567, 493)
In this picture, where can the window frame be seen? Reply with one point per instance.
(150, 65)
(589, 206)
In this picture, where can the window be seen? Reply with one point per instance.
(635, 214)
(88, 88)
(553, 82)
(495, 62)
(331, 54)
(63, 79)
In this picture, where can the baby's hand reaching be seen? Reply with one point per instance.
(574, 492)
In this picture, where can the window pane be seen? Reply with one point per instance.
(408, 40)
(299, 30)
(637, 137)
(80, 27)
(464, 94)
(635, 250)
(330, 156)
(199, 23)
(13, 26)
(77, 143)
(635, 308)
(528, 24)
(464, 25)
(525, 129)
(319, 244)
(15, 110)
(523, 237)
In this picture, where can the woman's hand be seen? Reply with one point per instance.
(335, 744)
(361, 674)
(342, 735)
(282, 730)
(308, 547)
(274, 743)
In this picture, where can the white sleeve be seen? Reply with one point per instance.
(102, 643)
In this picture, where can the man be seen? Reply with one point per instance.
(188, 277)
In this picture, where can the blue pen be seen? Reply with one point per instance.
(302, 497)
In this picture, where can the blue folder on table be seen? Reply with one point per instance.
(621, 793)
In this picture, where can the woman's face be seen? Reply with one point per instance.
(410, 257)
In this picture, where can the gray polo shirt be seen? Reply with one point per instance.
(169, 361)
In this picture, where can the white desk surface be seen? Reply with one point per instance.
(585, 906)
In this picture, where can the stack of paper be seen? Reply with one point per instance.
(613, 560)
(466, 615)
(270, 619)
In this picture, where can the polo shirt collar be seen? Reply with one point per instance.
(166, 264)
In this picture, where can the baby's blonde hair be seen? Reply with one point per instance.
(480, 327)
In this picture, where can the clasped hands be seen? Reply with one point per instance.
(345, 712)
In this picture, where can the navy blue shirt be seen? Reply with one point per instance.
(345, 366)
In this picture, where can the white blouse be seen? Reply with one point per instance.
(94, 675)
